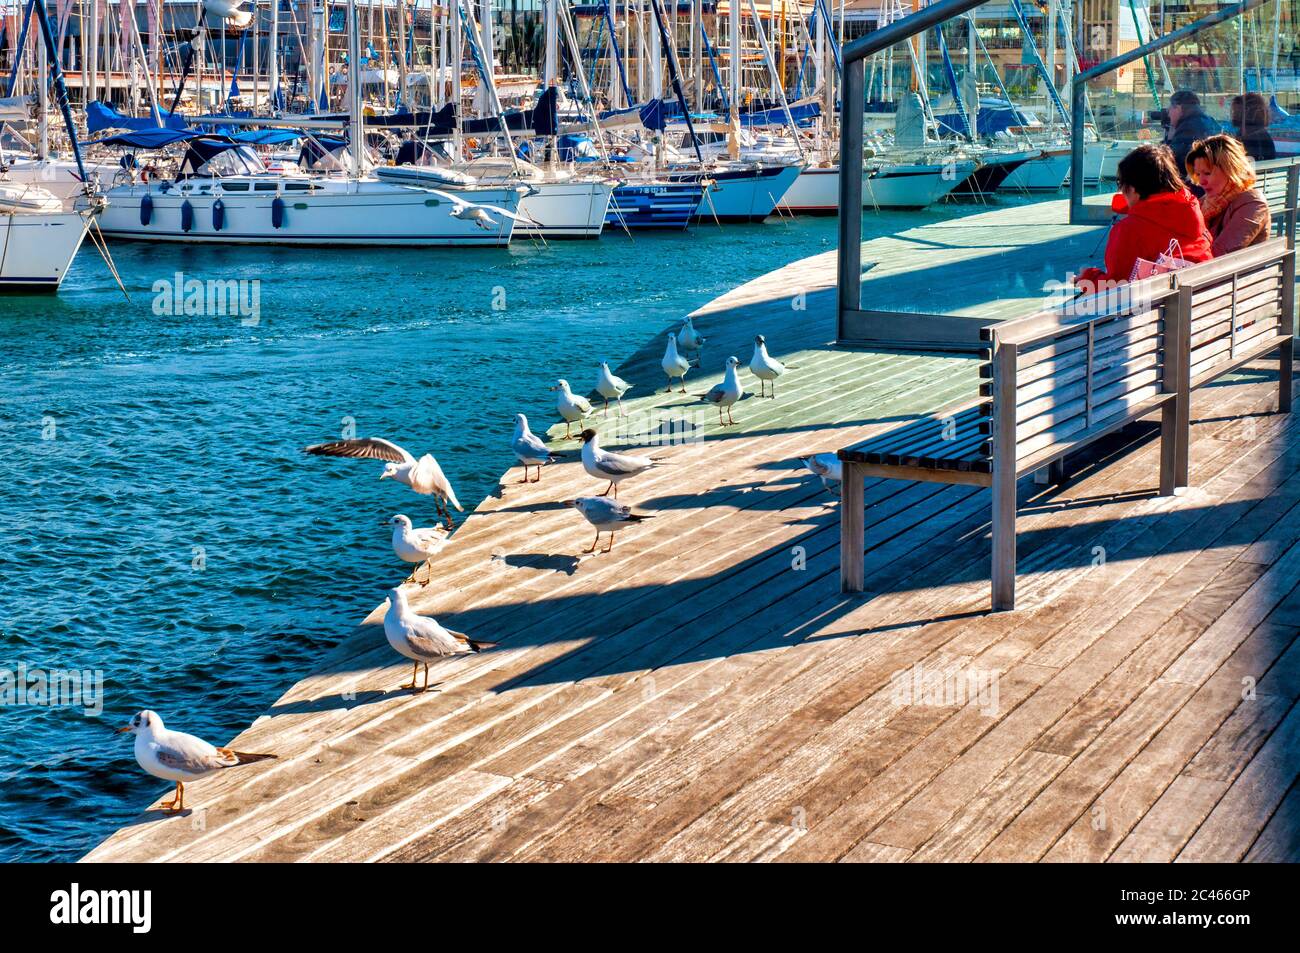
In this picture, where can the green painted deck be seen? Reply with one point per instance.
(704, 691)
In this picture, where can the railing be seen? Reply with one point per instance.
(1279, 181)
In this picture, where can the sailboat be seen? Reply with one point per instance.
(222, 192)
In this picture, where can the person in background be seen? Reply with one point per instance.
(1250, 125)
(1234, 211)
(1160, 210)
(1187, 125)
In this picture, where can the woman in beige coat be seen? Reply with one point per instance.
(1234, 211)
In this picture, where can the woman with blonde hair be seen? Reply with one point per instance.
(1234, 210)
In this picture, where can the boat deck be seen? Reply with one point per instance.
(705, 692)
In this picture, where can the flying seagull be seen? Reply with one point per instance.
(607, 465)
(531, 449)
(422, 639)
(416, 545)
(727, 393)
(674, 364)
(571, 407)
(606, 515)
(480, 215)
(423, 476)
(765, 367)
(611, 387)
(176, 756)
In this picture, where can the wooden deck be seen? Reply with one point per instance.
(704, 692)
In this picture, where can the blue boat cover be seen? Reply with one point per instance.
(152, 138)
(100, 116)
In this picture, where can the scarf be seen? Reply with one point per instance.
(1213, 206)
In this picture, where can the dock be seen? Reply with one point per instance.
(704, 692)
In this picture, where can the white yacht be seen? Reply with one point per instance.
(39, 237)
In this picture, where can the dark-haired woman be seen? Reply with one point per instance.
(1250, 125)
(1160, 210)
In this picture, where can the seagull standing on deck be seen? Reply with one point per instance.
(765, 367)
(828, 467)
(571, 407)
(416, 545)
(614, 467)
(422, 639)
(674, 364)
(531, 449)
(176, 756)
(691, 342)
(727, 393)
(423, 476)
(606, 515)
(611, 387)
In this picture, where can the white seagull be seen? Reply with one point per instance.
(531, 449)
(828, 467)
(480, 215)
(764, 366)
(416, 545)
(422, 639)
(423, 476)
(571, 407)
(611, 387)
(606, 515)
(176, 756)
(607, 465)
(691, 341)
(674, 364)
(726, 393)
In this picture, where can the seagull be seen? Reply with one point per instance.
(765, 367)
(571, 407)
(828, 467)
(726, 393)
(480, 215)
(176, 756)
(531, 449)
(606, 515)
(611, 387)
(614, 467)
(416, 545)
(423, 475)
(674, 364)
(691, 341)
(422, 639)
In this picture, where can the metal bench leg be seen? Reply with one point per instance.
(1053, 474)
(1004, 538)
(1172, 438)
(1286, 370)
(852, 529)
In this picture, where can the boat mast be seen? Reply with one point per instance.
(356, 119)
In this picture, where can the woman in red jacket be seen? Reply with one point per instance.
(1160, 209)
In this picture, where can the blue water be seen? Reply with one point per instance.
(160, 523)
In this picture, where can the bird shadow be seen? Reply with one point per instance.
(156, 814)
(557, 562)
(339, 701)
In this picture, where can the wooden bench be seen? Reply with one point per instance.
(1061, 379)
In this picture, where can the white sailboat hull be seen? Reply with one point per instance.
(1047, 173)
(912, 186)
(37, 250)
(339, 213)
(816, 190)
(745, 195)
(59, 177)
(573, 209)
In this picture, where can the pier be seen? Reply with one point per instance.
(706, 692)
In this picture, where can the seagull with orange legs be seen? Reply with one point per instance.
(727, 393)
(611, 387)
(606, 515)
(422, 639)
(607, 465)
(531, 449)
(417, 546)
(176, 756)
(572, 407)
(424, 476)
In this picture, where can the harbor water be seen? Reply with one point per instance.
(162, 529)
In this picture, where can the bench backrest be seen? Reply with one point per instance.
(1237, 305)
(1059, 375)
(1278, 180)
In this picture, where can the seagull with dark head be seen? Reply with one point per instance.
(607, 465)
